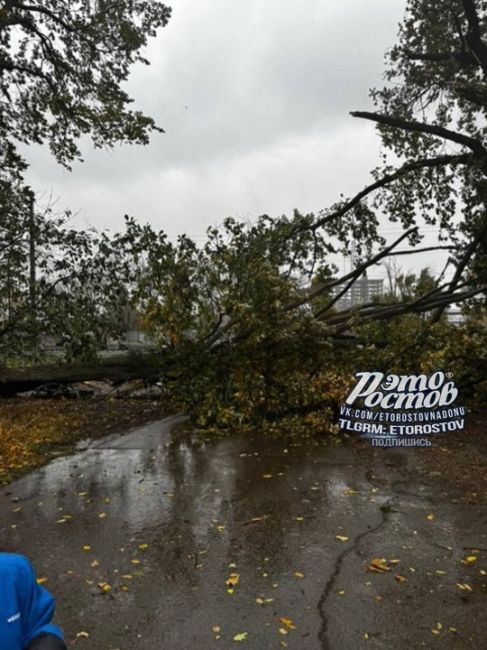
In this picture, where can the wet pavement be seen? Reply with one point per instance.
(137, 536)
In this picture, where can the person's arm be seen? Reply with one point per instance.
(37, 612)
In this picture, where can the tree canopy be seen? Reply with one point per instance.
(62, 68)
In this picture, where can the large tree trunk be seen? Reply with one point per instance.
(117, 369)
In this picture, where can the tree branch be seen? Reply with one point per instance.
(414, 165)
(474, 36)
(465, 58)
(353, 274)
(342, 320)
(420, 127)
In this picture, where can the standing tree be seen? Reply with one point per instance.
(62, 70)
(432, 116)
(62, 66)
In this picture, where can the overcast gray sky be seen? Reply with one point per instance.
(255, 98)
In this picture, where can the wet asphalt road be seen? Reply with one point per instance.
(138, 534)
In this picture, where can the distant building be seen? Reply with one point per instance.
(361, 292)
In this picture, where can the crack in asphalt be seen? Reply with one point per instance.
(385, 509)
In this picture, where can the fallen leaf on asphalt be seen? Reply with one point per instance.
(216, 629)
(264, 601)
(378, 565)
(86, 547)
(241, 636)
(143, 547)
(135, 561)
(232, 580)
(82, 635)
(341, 538)
(430, 517)
(41, 580)
(464, 586)
(400, 578)
(470, 559)
(288, 623)
(349, 492)
(298, 574)
(104, 587)
(102, 515)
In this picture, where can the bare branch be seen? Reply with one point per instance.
(352, 275)
(412, 251)
(421, 127)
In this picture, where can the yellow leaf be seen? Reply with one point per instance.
(241, 636)
(143, 547)
(464, 586)
(86, 547)
(232, 580)
(216, 629)
(378, 565)
(288, 623)
(41, 580)
(341, 538)
(470, 559)
(400, 578)
(430, 517)
(82, 635)
(102, 515)
(298, 574)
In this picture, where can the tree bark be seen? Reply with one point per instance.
(117, 369)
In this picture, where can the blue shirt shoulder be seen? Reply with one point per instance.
(26, 608)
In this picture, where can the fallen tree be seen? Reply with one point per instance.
(116, 369)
